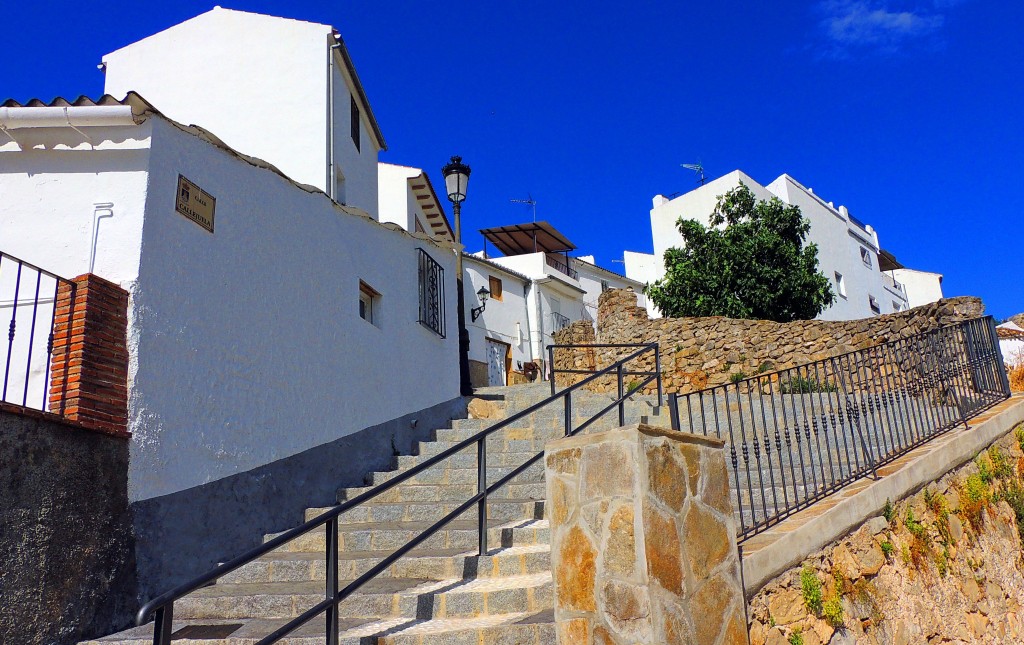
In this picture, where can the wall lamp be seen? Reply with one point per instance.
(483, 294)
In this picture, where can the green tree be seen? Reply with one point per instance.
(755, 266)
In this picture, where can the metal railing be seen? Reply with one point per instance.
(431, 292)
(619, 366)
(797, 435)
(558, 322)
(562, 267)
(28, 297)
(162, 607)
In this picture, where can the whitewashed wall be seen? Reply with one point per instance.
(593, 278)
(645, 268)
(248, 341)
(260, 84)
(922, 287)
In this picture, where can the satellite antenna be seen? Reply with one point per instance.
(697, 168)
(530, 201)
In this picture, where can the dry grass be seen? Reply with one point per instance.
(1016, 374)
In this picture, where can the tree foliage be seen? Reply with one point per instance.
(755, 266)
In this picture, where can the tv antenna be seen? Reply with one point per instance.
(697, 168)
(530, 201)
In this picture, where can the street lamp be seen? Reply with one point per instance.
(482, 294)
(456, 177)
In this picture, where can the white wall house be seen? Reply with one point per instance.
(406, 197)
(499, 336)
(289, 347)
(282, 90)
(595, 280)
(922, 287)
(848, 250)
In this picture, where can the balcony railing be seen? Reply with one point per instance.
(562, 267)
(892, 283)
(28, 297)
(558, 322)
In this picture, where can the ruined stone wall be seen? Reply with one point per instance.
(945, 565)
(704, 352)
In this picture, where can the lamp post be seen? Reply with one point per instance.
(456, 176)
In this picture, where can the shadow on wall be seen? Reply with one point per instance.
(65, 531)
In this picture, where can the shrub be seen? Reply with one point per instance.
(916, 529)
(736, 377)
(1001, 466)
(1019, 434)
(887, 548)
(832, 610)
(1013, 494)
(810, 586)
(800, 385)
(984, 465)
(889, 511)
(632, 386)
(797, 637)
(975, 499)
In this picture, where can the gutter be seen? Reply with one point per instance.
(14, 118)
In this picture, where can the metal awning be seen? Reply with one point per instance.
(534, 237)
(887, 261)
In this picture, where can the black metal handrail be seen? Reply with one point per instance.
(36, 309)
(162, 607)
(620, 371)
(798, 435)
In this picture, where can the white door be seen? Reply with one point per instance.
(496, 374)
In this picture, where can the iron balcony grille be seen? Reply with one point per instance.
(558, 322)
(562, 267)
(431, 277)
(797, 435)
(28, 298)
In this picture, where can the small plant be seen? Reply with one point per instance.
(1001, 466)
(984, 467)
(832, 611)
(888, 511)
(928, 495)
(887, 548)
(797, 637)
(736, 377)
(765, 366)
(1019, 434)
(632, 386)
(1013, 495)
(771, 621)
(805, 385)
(905, 554)
(975, 499)
(916, 529)
(810, 586)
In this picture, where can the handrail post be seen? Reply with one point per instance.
(673, 411)
(551, 367)
(481, 487)
(568, 412)
(331, 591)
(657, 367)
(162, 624)
(622, 399)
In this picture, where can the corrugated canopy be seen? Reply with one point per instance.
(534, 237)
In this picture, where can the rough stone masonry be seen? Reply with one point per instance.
(643, 544)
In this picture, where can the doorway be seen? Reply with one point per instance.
(497, 362)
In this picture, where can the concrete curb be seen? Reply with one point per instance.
(947, 453)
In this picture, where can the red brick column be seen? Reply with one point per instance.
(89, 371)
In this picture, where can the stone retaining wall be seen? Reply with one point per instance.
(703, 352)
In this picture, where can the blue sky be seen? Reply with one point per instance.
(909, 113)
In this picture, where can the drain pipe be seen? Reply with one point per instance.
(101, 210)
(331, 190)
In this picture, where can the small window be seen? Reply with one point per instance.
(604, 286)
(355, 122)
(865, 256)
(369, 304)
(896, 306)
(873, 303)
(840, 284)
(419, 226)
(495, 287)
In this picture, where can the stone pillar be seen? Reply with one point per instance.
(89, 369)
(643, 541)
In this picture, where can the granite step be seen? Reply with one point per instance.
(447, 492)
(497, 509)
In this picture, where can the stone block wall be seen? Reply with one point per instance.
(703, 352)
(643, 539)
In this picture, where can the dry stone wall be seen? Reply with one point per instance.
(703, 352)
(942, 566)
(643, 539)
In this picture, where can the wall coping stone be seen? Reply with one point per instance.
(642, 428)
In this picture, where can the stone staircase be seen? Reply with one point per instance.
(443, 592)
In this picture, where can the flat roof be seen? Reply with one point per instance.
(533, 237)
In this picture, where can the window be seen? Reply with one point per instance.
(419, 226)
(431, 276)
(494, 287)
(354, 112)
(840, 285)
(604, 286)
(896, 306)
(873, 303)
(369, 304)
(865, 256)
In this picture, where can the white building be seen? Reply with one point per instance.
(284, 343)
(406, 197)
(848, 250)
(922, 287)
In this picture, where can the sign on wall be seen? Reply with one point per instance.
(195, 203)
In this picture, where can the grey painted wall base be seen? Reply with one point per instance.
(67, 569)
(182, 535)
(950, 451)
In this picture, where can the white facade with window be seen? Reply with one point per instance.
(848, 250)
(922, 287)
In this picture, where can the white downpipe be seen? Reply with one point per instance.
(331, 188)
(101, 210)
(13, 118)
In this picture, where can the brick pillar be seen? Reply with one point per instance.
(89, 371)
(643, 540)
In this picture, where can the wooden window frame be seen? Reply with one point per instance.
(496, 294)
